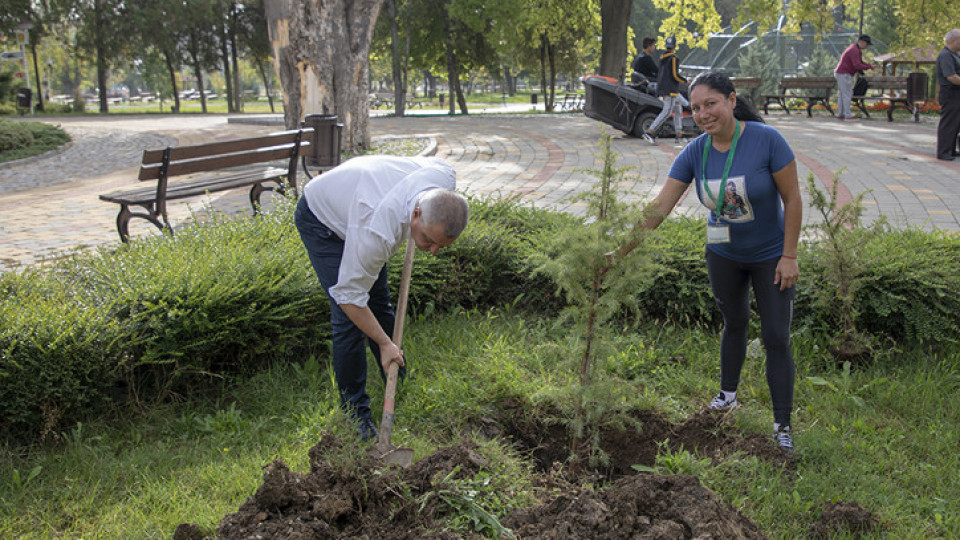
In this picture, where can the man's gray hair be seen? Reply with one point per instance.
(952, 35)
(445, 207)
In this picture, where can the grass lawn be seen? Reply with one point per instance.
(883, 436)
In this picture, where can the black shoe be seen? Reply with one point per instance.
(945, 158)
(784, 439)
(366, 431)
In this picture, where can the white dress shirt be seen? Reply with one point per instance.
(368, 201)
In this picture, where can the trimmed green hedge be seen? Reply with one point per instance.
(164, 316)
(20, 139)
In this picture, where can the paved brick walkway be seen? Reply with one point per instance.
(49, 206)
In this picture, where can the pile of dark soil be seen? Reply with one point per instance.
(368, 502)
(363, 503)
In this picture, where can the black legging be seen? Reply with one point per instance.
(730, 282)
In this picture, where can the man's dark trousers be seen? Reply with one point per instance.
(949, 126)
(325, 249)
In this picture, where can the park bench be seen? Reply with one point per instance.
(387, 99)
(571, 102)
(209, 168)
(892, 89)
(813, 90)
(379, 99)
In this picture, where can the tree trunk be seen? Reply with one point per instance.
(453, 68)
(399, 89)
(198, 70)
(237, 88)
(101, 58)
(614, 17)
(429, 84)
(544, 61)
(227, 73)
(36, 73)
(321, 51)
(173, 81)
(266, 82)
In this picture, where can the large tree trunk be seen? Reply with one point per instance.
(321, 51)
(614, 17)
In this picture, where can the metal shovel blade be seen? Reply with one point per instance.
(386, 452)
(393, 455)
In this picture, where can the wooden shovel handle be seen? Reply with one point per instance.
(390, 392)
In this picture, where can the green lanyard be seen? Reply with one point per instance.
(726, 169)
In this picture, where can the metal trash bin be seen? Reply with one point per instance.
(916, 92)
(533, 98)
(325, 144)
(24, 97)
(916, 86)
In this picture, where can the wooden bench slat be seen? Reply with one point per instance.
(218, 162)
(194, 188)
(151, 157)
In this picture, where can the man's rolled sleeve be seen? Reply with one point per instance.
(364, 254)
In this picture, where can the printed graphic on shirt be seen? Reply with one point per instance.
(736, 205)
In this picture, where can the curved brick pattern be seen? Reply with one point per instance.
(542, 159)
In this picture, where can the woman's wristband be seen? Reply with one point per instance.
(794, 257)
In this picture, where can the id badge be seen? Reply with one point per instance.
(718, 234)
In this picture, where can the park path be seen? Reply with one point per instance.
(49, 206)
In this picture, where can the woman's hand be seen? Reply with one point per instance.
(788, 271)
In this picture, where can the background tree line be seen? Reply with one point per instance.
(150, 40)
(403, 42)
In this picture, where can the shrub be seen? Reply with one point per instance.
(56, 353)
(163, 315)
(169, 314)
(14, 136)
(24, 139)
(7, 109)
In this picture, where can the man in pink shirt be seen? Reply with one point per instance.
(851, 61)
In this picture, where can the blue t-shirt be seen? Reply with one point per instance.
(752, 209)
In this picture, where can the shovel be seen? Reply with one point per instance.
(383, 450)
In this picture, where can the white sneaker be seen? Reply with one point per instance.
(649, 137)
(721, 402)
